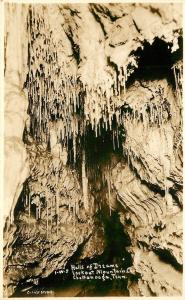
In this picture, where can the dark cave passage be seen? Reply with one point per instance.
(102, 152)
(155, 61)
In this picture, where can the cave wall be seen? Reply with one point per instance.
(92, 124)
(15, 105)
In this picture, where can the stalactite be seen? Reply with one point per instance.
(113, 140)
(26, 198)
(57, 208)
(109, 188)
(51, 217)
(149, 114)
(29, 211)
(178, 75)
(84, 183)
(53, 82)
(58, 96)
(47, 218)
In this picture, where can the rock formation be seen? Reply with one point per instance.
(93, 142)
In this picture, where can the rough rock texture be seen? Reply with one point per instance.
(93, 119)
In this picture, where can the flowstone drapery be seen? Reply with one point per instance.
(93, 134)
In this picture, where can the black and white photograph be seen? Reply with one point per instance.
(93, 154)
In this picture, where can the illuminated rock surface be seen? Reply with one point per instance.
(93, 130)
